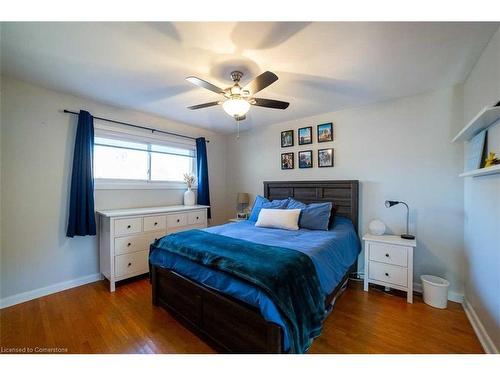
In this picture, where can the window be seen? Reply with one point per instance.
(119, 158)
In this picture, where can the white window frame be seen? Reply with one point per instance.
(116, 132)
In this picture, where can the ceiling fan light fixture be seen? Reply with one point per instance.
(236, 107)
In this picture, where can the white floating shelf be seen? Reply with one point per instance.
(481, 171)
(484, 119)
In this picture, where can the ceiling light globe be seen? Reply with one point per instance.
(236, 107)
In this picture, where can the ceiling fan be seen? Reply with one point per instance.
(237, 100)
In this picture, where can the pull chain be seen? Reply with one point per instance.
(238, 128)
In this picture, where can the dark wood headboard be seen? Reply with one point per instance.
(343, 194)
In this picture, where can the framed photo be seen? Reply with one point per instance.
(306, 159)
(305, 135)
(325, 132)
(287, 138)
(475, 151)
(325, 157)
(287, 160)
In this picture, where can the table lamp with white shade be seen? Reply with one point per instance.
(243, 200)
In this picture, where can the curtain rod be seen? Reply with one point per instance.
(137, 126)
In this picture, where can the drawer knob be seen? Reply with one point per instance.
(387, 274)
(128, 226)
(178, 220)
(197, 217)
(129, 264)
(387, 255)
(156, 223)
(129, 244)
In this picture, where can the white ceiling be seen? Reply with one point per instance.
(322, 67)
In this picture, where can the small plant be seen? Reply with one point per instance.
(189, 180)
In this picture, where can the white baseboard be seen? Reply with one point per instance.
(452, 296)
(485, 340)
(54, 288)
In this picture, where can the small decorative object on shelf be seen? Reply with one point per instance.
(189, 198)
(406, 236)
(491, 160)
(376, 227)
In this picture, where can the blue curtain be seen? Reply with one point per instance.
(81, 221)
(202, 167)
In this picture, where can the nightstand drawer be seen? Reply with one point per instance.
(131, 263)
(396, 255)
(388, 273)
(177, 220)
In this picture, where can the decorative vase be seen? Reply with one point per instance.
(376, 227)
(189, 197)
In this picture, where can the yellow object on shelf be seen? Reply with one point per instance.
(491, 160)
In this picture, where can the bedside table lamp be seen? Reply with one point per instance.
(406, 236)
(243, 200)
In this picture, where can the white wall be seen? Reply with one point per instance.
(398, 150)
(36, 152)
(482, 200)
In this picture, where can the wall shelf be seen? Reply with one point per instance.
(488, 116)
(481, 172)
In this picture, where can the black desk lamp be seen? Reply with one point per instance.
(406, 236)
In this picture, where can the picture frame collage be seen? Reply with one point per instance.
(305, 159)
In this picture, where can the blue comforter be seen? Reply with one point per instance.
(332, 253)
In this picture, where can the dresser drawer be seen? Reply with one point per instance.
(176, 220)
(188, 227)
(197, 217)
(131, 263)
(388, 273)
(130, 244)
(396, 255)
(155, 223)
(128, 226)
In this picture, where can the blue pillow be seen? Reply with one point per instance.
(261, 202)
(314, 216)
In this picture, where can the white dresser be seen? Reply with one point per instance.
(389, 262)
(125, 236)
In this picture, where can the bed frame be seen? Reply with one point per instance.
(230, 325)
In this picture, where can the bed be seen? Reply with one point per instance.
(235, 316)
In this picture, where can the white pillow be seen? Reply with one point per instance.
(277, 218)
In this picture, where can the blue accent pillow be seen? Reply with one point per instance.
(262, 202)
(314, 216)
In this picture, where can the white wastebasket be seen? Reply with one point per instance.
(435, 291)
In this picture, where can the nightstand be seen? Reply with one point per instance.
(236, 220)
(389, 262)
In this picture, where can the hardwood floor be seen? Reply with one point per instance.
(89, 319)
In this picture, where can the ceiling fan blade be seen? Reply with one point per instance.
(206, 85)
(270, 103)
(204, 105)
(261, 82)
